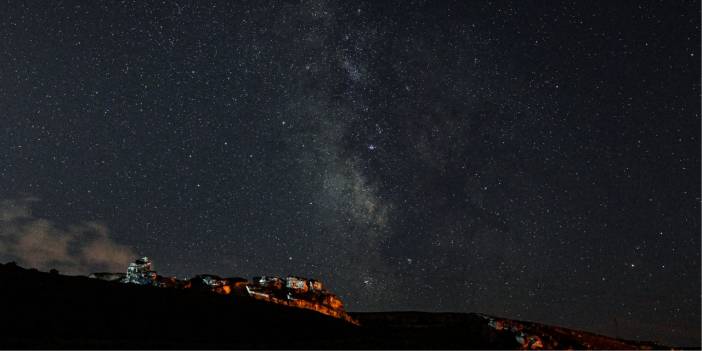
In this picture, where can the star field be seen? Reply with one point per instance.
(529, 161)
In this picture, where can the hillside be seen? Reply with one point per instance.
(45, 310)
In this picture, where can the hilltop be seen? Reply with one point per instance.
(50, 310)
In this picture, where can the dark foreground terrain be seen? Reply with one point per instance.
(44, 310)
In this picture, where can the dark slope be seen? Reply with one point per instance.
(472, 330)
(421, 330)
(43, 310)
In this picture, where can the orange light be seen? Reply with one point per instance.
(226, 289)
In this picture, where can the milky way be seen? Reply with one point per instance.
(532, 162)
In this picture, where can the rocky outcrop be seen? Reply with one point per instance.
(536, 336)
(140, 272)
(289, 291)
(227, 286)
(298, 292)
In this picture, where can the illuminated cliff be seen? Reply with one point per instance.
(289, 291)
(298, 292)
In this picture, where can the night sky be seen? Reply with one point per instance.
(537, 162)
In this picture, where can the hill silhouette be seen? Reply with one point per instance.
(49, 310)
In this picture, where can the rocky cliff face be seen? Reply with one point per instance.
(289, 291)
(536, 336)
(298, 292)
